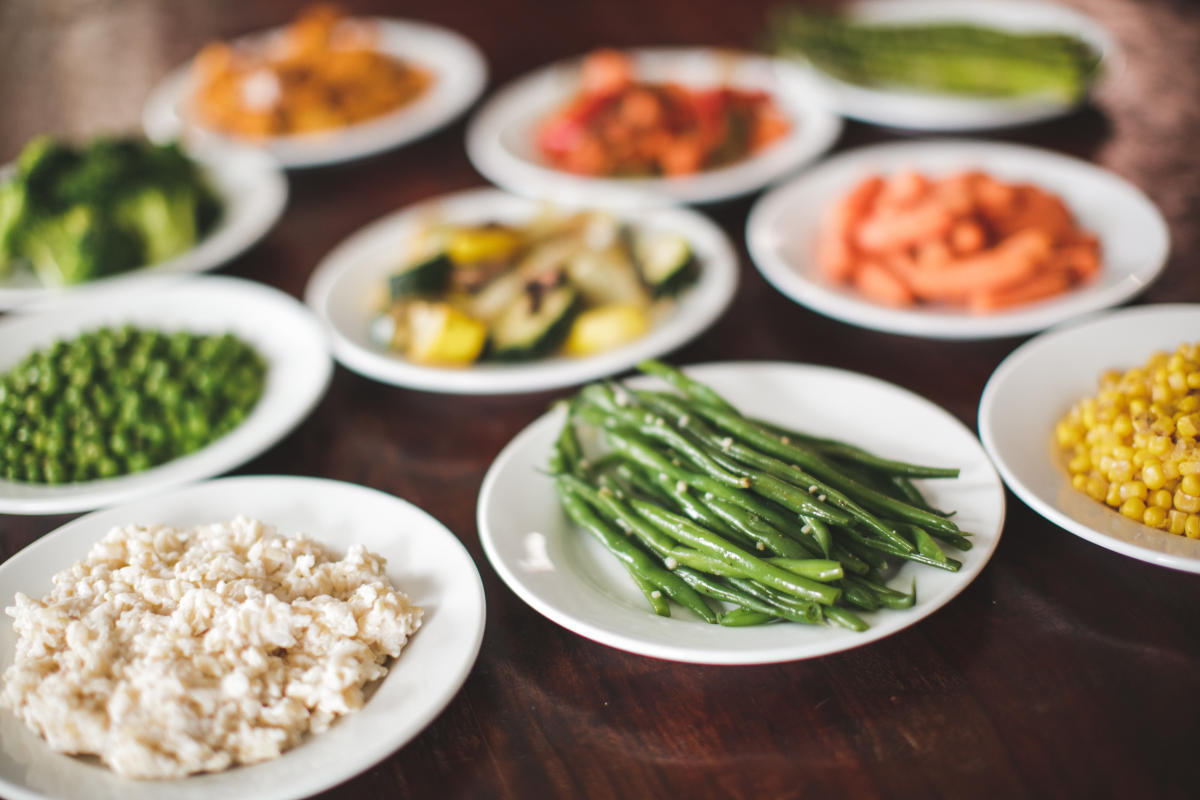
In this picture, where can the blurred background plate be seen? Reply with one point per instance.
(501, 136)
(253, 191)
(928, 111)
(460, 73)
(782, 229)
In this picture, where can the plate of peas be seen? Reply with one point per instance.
(163, 385)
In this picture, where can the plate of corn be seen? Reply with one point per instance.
(1096, 426)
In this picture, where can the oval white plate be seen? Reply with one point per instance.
(1038, 384)
(424, 560)
(287, 335)
(343, 283)
(927, 111)
(253, 191)
(460, 73)
(566, 576)
(501, 143)
(782, 228)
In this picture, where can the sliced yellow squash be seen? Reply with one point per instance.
(440, 334)
(606, 327)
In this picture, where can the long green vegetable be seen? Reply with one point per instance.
(699, 501)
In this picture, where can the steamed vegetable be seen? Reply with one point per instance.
(74, 214)
(947, 57)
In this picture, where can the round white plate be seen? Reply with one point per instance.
(253, 191)
(288, 336)
(927, 111)
(782, 229)
(1038, 384)
(458, 67)
(341, 288)
(424, 560)
(566, 576)
(501, 137)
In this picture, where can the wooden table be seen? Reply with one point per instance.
(1063, 670)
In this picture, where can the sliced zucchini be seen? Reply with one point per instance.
(438, 333)
(535, 323)
(606, 277)
(606, 327)
(485, 243)
(428, 275)
(664, 261)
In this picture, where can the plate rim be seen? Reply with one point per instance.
(521, 176)
(453, 686)
(160, 118)
(685, 654)
(1004, 372)
(535, 376)
(792, 282)
(94, 495)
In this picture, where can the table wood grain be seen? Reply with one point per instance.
(1064, 670)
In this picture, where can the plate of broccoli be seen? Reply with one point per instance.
(79, 217)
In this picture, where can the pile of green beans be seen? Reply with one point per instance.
(738, 520)
(114, 401)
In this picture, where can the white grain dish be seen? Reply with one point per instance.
(284, 332)
(459, 75)
(253, 193)
(565, 575)
(424, 559)
(343, 283)
(783, 225)
(501, 143)
(929, 111)
(1038, 384)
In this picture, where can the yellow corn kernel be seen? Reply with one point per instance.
(1186, 502)
(1079, 464)
(1079, 481)
(1171, 470)
(1152, 475)
(1133, 489)
(1158, 445)
(1188, 425)
(1193, 380)
(1189, 467)
(1175, 521)
(1190, 484)
(1113, 495)
(1161, 499)
(1155, 517)
(1191, 528)
(1133, 508)
(1189, 404)
(1097, 487)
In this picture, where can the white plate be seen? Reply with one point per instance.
(424, 560)
(287, 335)
(927, 111)
(253, 192)
(343, 284)
(458, 67)
(782, 230)
(1038, 384)
(501, 137)
(565, 575)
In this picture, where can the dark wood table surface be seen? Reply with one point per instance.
(1063, 670)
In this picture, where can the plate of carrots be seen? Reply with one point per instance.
(651, 126)
(957, 239)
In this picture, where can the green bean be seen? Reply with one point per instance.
(653, 595)
(566, 454)
(845, 617)
(711, 587)
(754, 528)
(744, 617)
(842, 450)
(687, 532)
(818, 569)
(784, 605)
(629, 554)
(694, 389)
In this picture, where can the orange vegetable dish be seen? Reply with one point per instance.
(321, 73)
(618, 126)
(965, 240)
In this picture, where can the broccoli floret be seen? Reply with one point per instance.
(164, 218)
(41, 166)
(79, 244)
(13, 204)
(106, 168)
